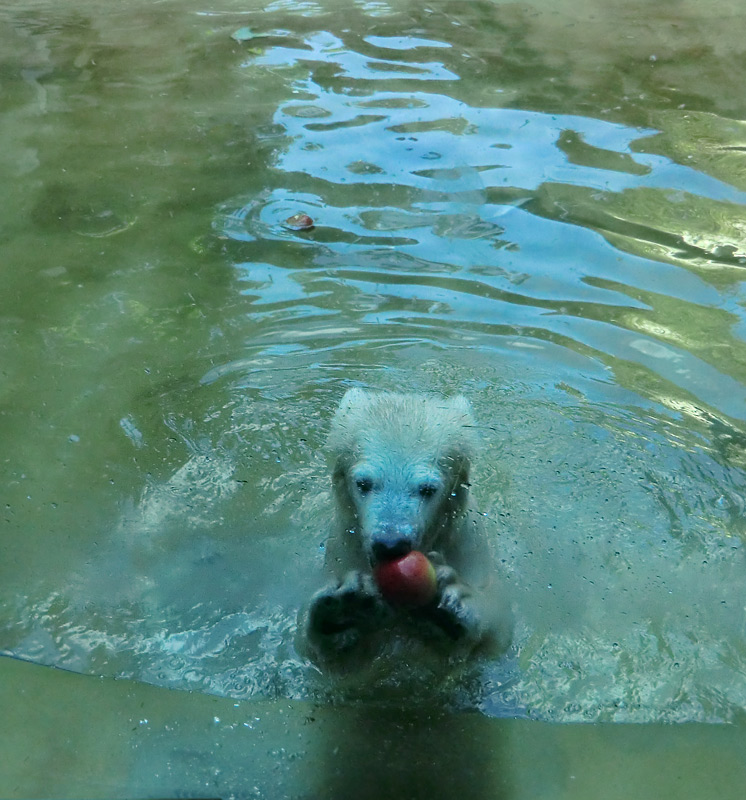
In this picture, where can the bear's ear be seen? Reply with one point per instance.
(460, 405)
(346, 423)
(353, 397)
(467, 438)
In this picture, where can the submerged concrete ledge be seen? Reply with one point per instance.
(72, 736)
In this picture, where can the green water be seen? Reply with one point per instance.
(539, 206)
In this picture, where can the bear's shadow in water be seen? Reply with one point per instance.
(425, 753)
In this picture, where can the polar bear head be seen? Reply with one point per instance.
(400, 470)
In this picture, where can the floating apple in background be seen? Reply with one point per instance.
(299, 222)
(407, 581)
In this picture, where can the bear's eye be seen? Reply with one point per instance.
(427, 490)
(364, 485)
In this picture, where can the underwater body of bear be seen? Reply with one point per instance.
(401, 483)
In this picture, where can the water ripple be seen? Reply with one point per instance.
(580, 278)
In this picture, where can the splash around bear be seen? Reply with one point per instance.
(400, 478)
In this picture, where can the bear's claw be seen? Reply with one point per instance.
(453, 612)
(339, 614)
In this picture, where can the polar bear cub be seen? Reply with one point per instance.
(400, 482)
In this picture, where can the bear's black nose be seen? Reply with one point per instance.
(388, 548)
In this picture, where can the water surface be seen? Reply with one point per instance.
(539, 207)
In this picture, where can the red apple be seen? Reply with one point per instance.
(407, 581)
(299, 222)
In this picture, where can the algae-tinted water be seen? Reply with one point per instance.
(540, 207)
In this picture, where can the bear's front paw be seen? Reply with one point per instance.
(453, 612)
(340, 614)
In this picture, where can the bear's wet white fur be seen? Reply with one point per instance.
(401, 465)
